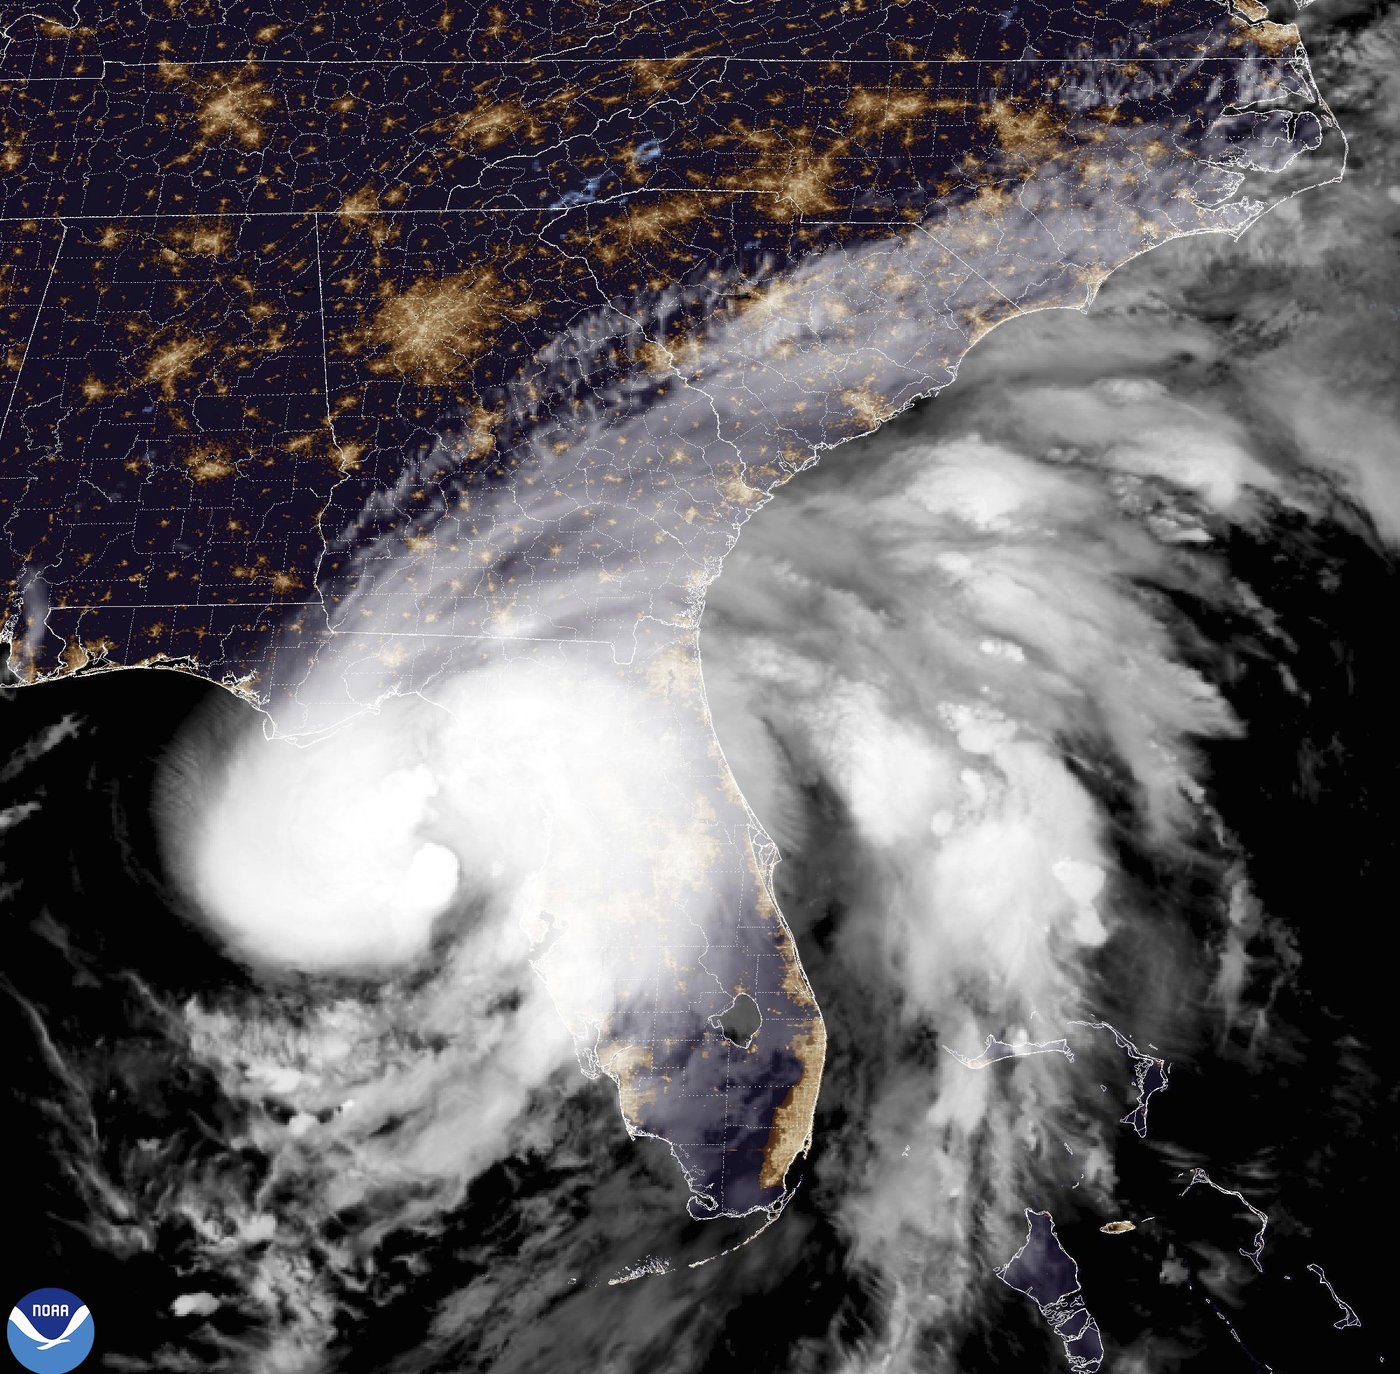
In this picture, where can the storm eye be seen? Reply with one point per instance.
(740, 1021)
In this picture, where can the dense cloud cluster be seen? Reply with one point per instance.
(1028, 687)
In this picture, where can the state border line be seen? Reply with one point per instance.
(1124, 59)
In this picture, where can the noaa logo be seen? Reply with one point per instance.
(50, 1331)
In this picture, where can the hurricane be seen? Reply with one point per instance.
(917, 907)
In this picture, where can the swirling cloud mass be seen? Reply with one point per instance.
(1025, 687)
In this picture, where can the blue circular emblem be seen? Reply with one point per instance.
(50, 1331)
